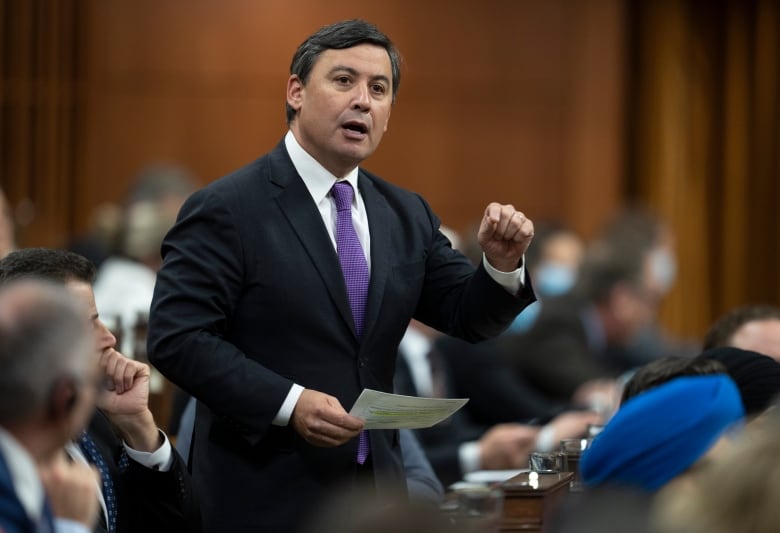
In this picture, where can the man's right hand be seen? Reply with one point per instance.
(321, 420)
(72, 489)
(507, 446)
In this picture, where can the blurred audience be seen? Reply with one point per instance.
(144, 484)
(665, 369)
(577, 345)
(460, 445)
(736, 493)
(99, 240)
(654, 237)
(585, 340)
(552, 262)
(125, 281)
(751, 327)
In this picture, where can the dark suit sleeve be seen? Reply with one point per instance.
(148, 500)
(161, 501)
(195, 295)
(461, 301)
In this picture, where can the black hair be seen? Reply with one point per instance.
(49, 264)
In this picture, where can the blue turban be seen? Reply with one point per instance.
(660, 433)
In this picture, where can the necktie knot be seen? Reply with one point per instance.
(342, 193)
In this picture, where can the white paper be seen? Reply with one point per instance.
(492, 476)
(382, 410)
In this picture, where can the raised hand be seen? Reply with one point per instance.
(504, 235)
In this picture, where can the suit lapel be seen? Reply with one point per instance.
(298, 208)
(379, 218)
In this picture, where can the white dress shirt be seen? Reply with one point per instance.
(319, 182)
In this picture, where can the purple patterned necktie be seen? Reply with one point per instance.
(355, 270)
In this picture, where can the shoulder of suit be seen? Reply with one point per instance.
(386, 187)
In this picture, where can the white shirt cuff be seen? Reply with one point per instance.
(469, 455)
(65, 525)
(511, 281)
(282, 418)
(161, 459)
(545, 440)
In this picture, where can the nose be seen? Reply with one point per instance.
(362, 99)
(105, 339)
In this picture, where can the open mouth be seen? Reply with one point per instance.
(357, 127)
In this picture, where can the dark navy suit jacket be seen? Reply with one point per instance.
(251, 299)
(13, 517)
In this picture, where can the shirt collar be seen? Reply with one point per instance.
(24, 475)
(317, 179)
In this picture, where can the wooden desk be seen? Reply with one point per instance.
(527, 501)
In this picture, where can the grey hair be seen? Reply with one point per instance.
(44, 337)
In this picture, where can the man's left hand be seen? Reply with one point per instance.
(504, 235)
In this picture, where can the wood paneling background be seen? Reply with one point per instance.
(705, 150)
(564, 108)
(499, 100)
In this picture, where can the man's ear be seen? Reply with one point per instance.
(63, 398)
(295, 89)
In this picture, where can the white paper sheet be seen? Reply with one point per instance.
(382, 410)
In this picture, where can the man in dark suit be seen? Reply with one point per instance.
(145, 485)
(260, 315)
(47, 390)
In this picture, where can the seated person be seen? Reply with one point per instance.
(47, 392)
(738, 493)
(667, 368)
(145, 485)
(662, 432)
(752, 327)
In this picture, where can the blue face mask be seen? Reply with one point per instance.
(664, 269)
(553, 279)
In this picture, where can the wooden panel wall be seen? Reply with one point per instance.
(705, 115)
(517, 101)
(39, 115)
